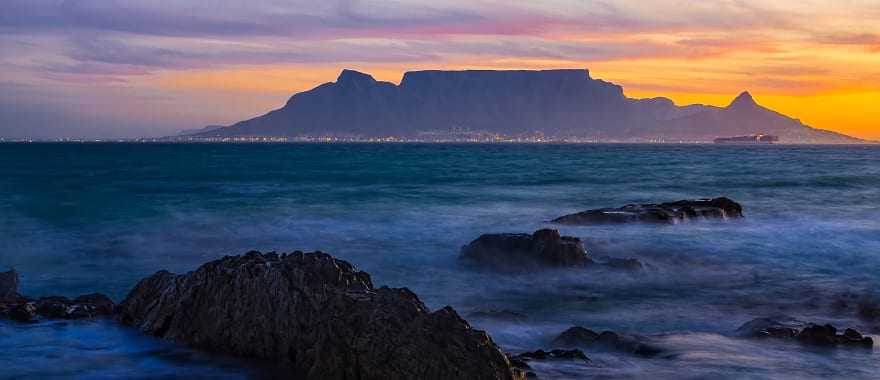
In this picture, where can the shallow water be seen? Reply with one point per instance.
(77, 218)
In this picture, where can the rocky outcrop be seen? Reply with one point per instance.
(544, 249)
(662, 213)
(578, 336)
(573, 354)
(318, 316)
(521, 361)
(806, 333)
(23, 309)
(85, 306)
(523, 252)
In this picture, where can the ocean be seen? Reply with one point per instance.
(81, 218)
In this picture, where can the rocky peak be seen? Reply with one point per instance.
(348, 76)
(743, 101)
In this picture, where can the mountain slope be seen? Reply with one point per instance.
(744, 117)
(557, 103)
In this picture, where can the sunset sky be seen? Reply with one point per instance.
(107, 68)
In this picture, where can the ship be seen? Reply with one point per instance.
(753, 139)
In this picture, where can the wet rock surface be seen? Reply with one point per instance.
(573, 354)
(660, 213)
(805, 333)
(85, 306)
(582, 337)
(523, 252)
(318, 316)
(23, 309)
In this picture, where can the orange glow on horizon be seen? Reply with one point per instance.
(819, 105)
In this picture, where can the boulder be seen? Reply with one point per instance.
(662, 213)
(24, 312)
(806, 333)
(523, 252)
(85, 306)
(9, 286)
(317, 316)
(578, 336)
(574, 354)
(770, 327)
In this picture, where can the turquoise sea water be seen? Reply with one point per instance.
(78, 218)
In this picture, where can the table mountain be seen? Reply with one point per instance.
(557, 103)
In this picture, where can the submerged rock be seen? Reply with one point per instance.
(23, 312)
(578, 336)
(664, 213)
(317, 315)
(806, 333)
(84, 306)
(770, 328)
(574, 354)
(523, 252)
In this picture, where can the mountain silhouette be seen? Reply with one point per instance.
(556, 103)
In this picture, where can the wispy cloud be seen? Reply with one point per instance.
(783, 46)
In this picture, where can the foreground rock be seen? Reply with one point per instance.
(19, 308)
(522, 252)
(317, 315)
(664, 213)
(578, 336)
(805, 333)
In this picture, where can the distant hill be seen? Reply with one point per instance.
(555, 103)
(208, 128)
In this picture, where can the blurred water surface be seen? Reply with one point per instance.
(78, 218)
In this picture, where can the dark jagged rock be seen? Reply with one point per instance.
(578, 336)
(805, 333)
(523, 252)
(770, 328)
(84, 306)
(9, 286)
(24, 312)
(318, 316)
(826, 335)
(18, 307)
(663, 213)
(53, 307)
(499, 314)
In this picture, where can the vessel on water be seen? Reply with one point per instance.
(753, 139)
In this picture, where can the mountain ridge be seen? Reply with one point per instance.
(559, 103)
